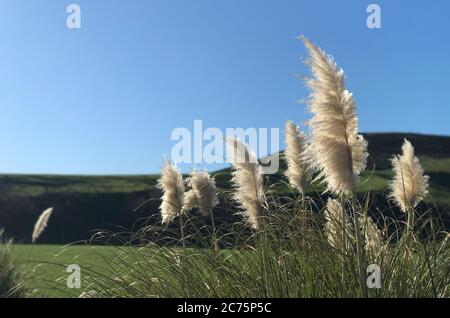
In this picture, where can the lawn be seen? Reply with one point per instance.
(44, 266)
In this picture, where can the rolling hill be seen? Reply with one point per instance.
(84, 204)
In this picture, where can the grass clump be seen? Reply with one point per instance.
(11, 283)
(289, 256)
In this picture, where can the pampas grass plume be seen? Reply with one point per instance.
(171, 183)
(203, 193)
(410, 185)
(337, 152)
(247, 179)
(372, 235)
(41, 224)
(296, 171)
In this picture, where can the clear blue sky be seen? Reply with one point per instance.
(105, 98)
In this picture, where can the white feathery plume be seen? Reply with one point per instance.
(41, 224)
(203, 193)
(372, 235)
(171, 183)
(409, 185)
(336, 150)
(336, 224)
(296, 171)
(247, 179)
(190, 201)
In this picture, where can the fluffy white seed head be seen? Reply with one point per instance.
(41, 224)
(372, 234)
(336, 150)
(203, 193)
(296, 172)
(410, 185)
(171, 183)
(190, 201)
(247, 179)
(336, 222)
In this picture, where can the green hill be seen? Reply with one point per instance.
(84, 204)
(433, 152)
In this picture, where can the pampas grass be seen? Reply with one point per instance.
(41, 224)
(340, 234)
(247, 179)
(372, 235)
(203, 193)
(286, 264)
(172, 200)
(296, 171)
(171, 183)
(337, 152)
(337, 226)
(338, 231)
(11, 281)
(410, 185)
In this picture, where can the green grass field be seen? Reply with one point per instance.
(44, 266)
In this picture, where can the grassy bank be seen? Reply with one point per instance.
(44, 266)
